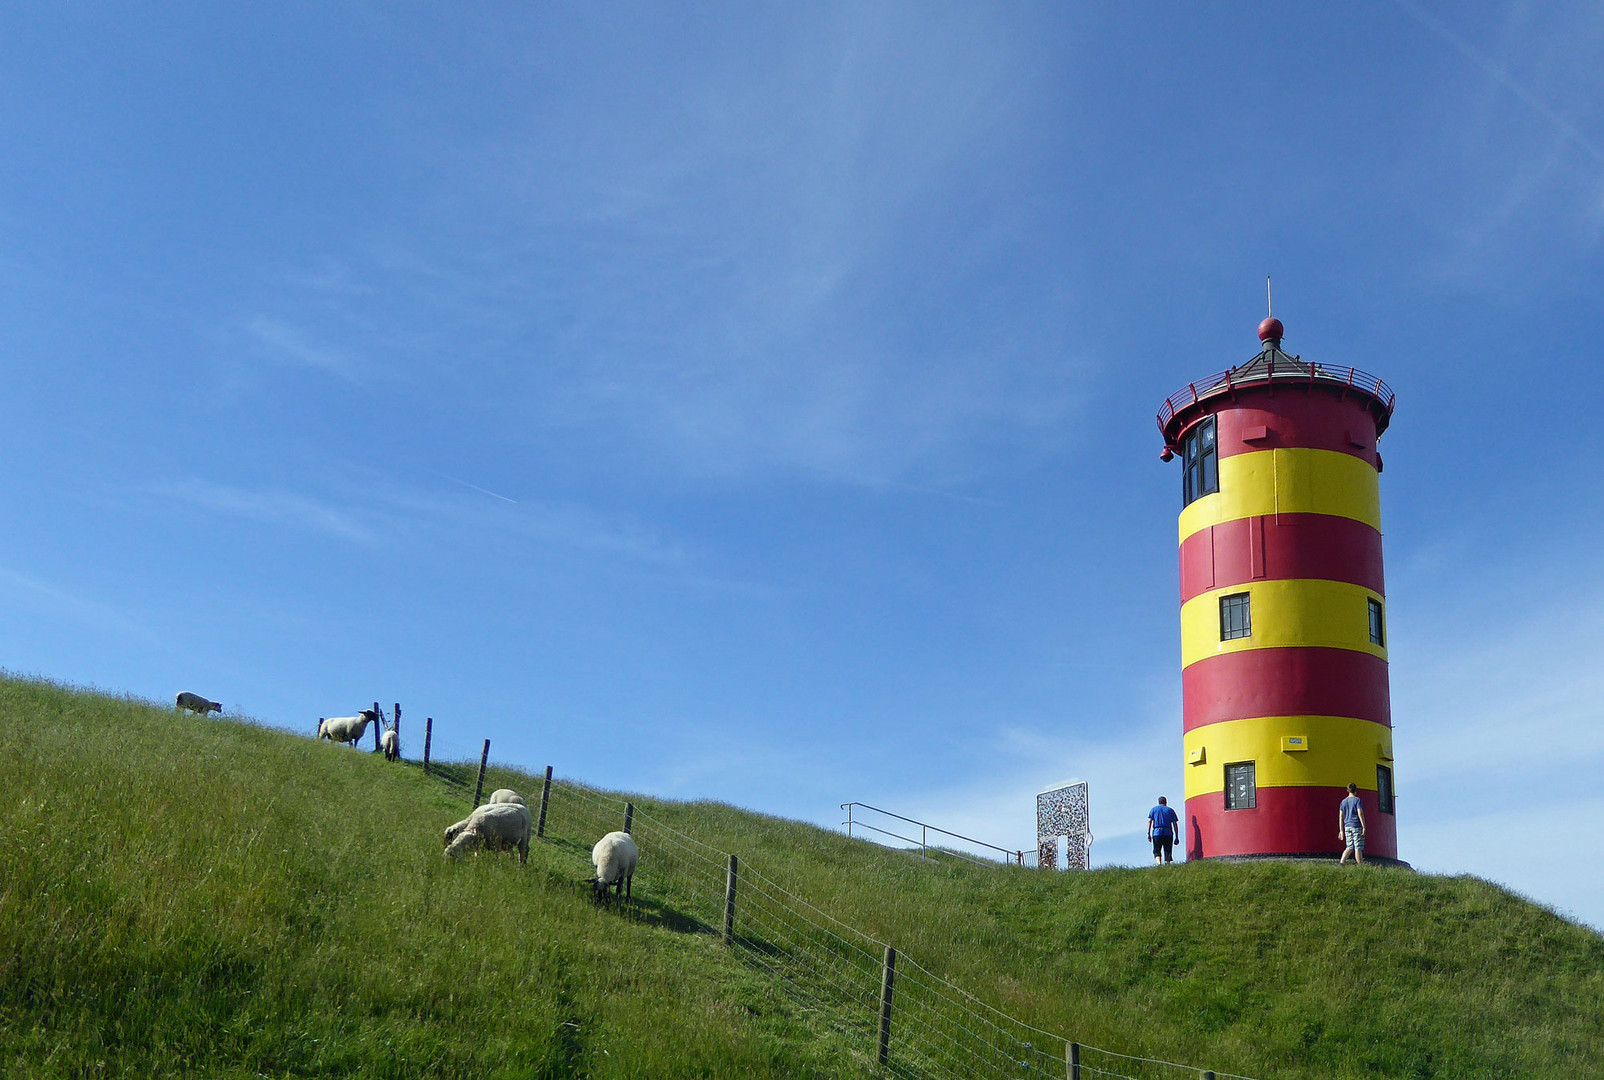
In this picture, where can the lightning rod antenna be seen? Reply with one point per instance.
(1269, 309)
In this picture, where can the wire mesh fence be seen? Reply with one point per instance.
(457, 777)
(932, 1030)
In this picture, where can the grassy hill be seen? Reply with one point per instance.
(182, 896)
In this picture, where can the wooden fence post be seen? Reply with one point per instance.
(545, 800)
(1072, 1059)
(428, 734)
(629, 815)
(378, 725)
(395, 726)
(888, 979)
(479, 788)
(729, 899)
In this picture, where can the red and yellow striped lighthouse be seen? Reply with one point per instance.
(1283, 609)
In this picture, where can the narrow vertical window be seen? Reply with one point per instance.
(1241, 789)
(1200, 464)
(1384, 789)
(1377, 632)
(1236, 617)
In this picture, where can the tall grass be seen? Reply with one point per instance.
(194, 897)
(205, 897)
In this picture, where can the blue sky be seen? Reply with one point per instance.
(756, 402)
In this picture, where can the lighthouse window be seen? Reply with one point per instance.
(1236, 617)
(1241, 790)
(1200, 463)
(1384, 789)
(1376, 632)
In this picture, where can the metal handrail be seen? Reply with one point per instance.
(1229, 381)
(922, 847)
(925, 829)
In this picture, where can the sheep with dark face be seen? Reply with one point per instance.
(346, 729)
(614, 857)
(494, 827)
(196, 704)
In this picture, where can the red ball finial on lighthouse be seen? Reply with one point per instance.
(1271, 329)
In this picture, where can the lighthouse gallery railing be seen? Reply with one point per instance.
(1298, 372)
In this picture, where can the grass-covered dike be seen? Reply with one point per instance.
(203, 897)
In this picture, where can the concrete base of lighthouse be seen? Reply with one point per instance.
(1320, 857)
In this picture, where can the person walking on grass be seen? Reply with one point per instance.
(1351, 826)
(1161, 826)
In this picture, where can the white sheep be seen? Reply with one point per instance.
(614, 857)
(346, 729)
(495, 826)
(390, 743)
(197, 704)
(506, 795)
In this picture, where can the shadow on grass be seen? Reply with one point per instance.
(651, 912)
(641, 908)
(573, 847)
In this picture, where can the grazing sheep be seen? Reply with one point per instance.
(346, 729)
(197, 704)
(506, 795)
(390, 743)
(614, 857)
(495, 826)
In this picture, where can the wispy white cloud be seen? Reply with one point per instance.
(271, 507)
(547, 522)
(717, 284)
(55, 602)
(476, 487)
(579, 526)
(1511, 148)
(330, 278)
(283, 343)
(373, 510)
(1481, 696)
(1500, 74)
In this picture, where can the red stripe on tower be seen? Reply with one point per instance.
(1346, 425)
(1287, 821)
(1273, 546)
(1309, 681)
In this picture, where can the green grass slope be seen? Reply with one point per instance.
(201, 897)
(195, 897)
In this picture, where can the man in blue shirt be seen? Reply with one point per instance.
(1351, 826)
(1162, 825)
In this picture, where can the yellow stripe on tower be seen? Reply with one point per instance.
(1282, 612)
(1336, 751)
(1295, 480)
